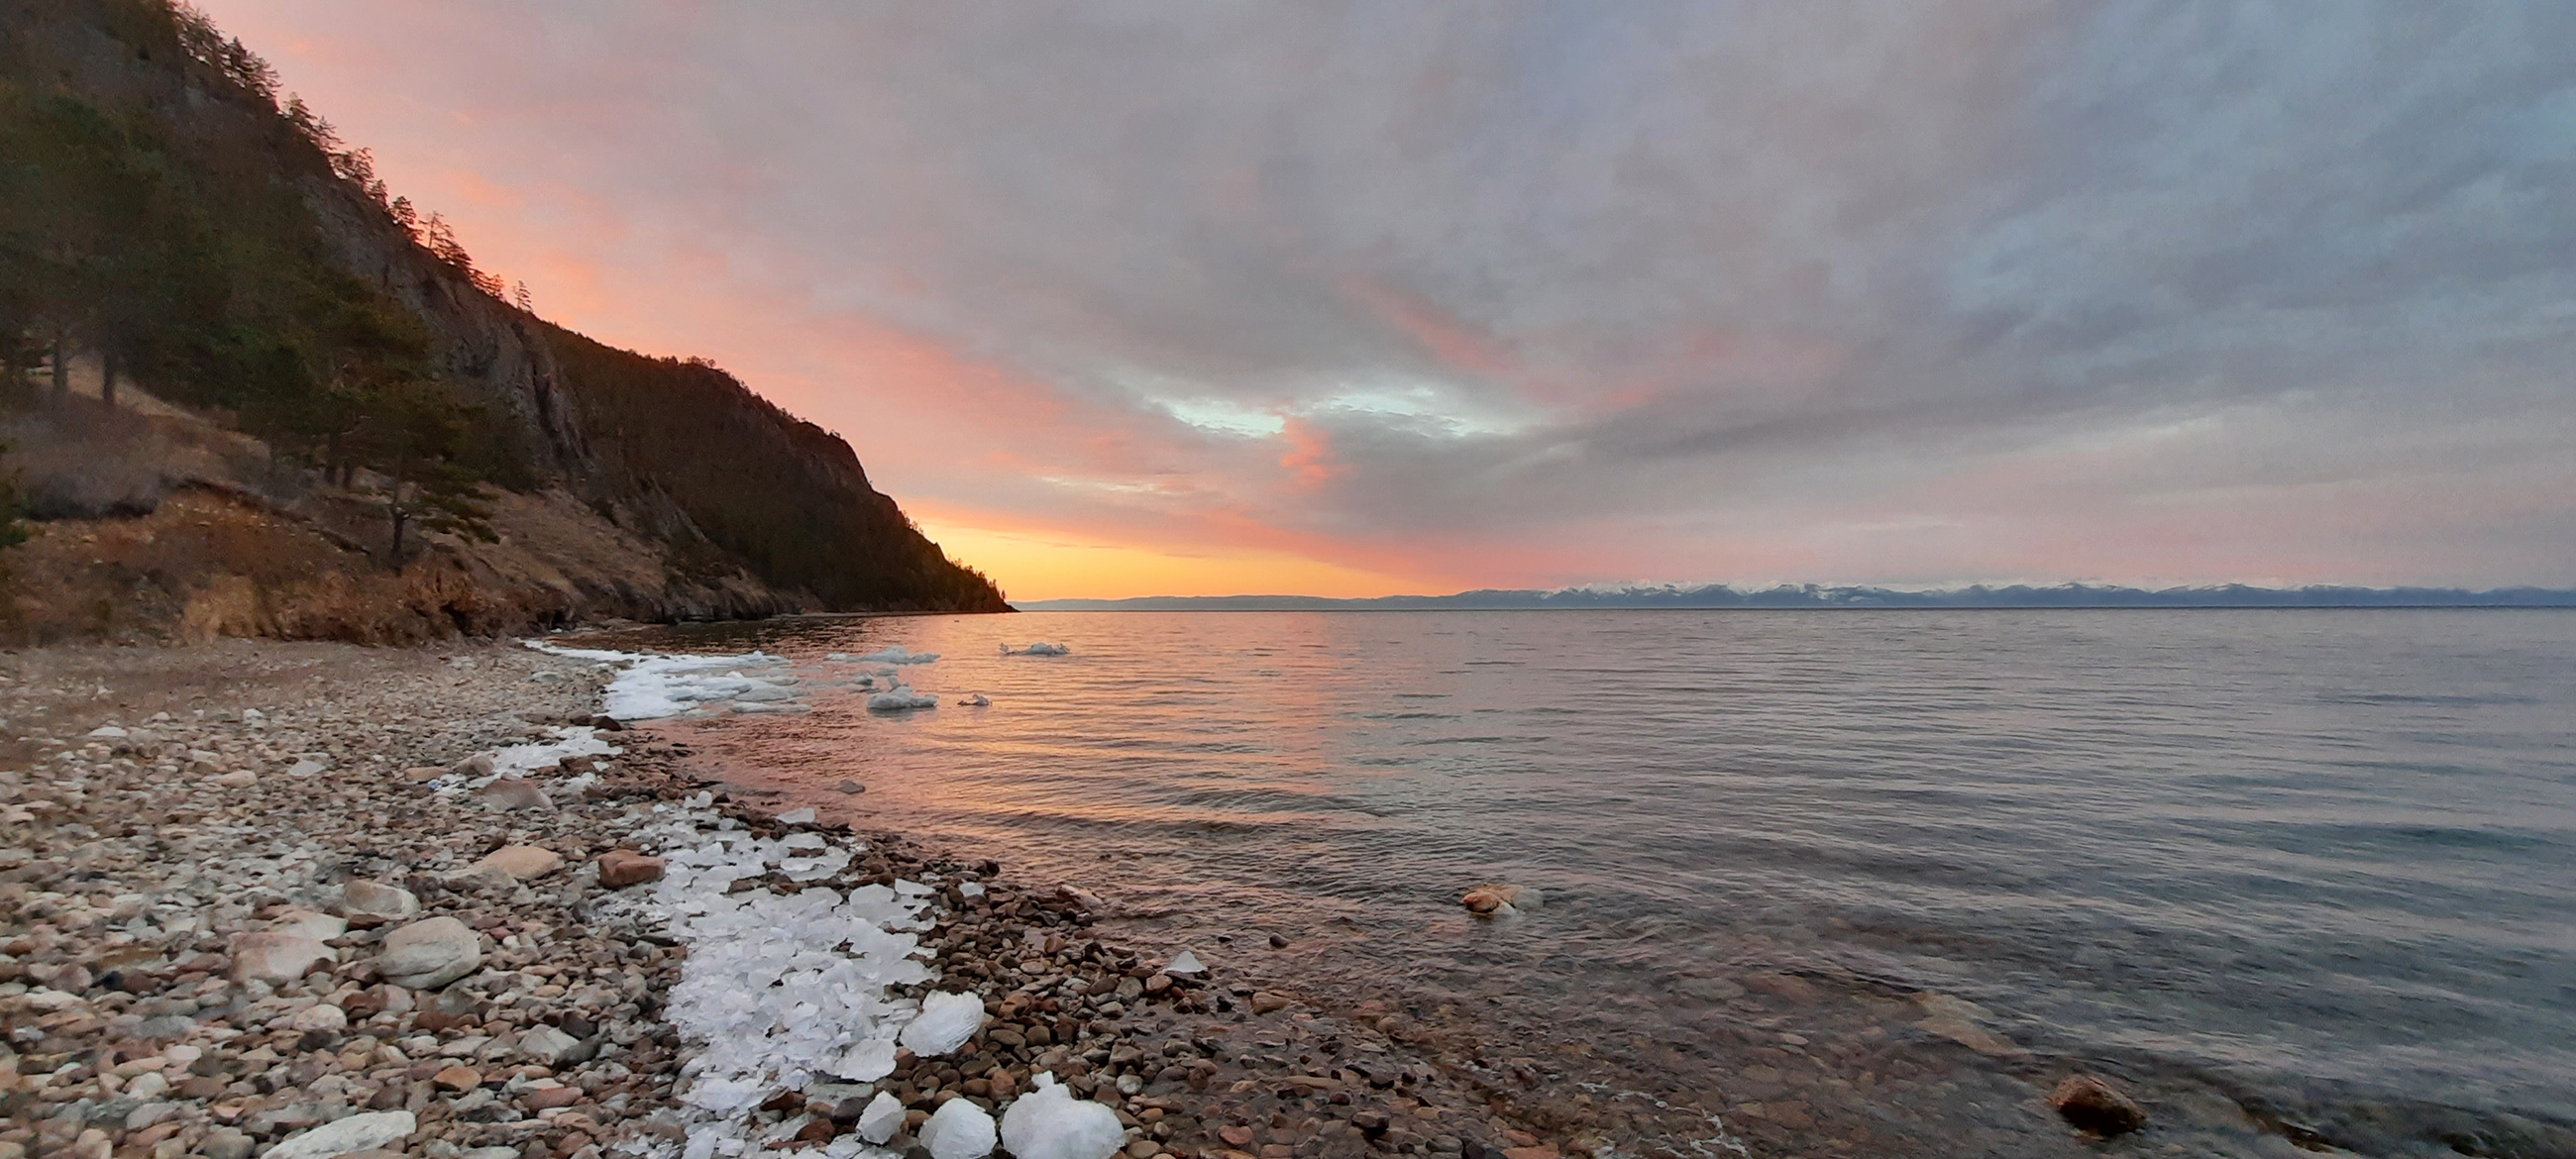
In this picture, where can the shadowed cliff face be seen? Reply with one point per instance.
(675, 456)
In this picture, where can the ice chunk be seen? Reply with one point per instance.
(1185, 962)
(1036, 648)
(107, 732)
(1049, 1123)
(884, 1115)
(901, 699)
(894, 654)
(945, 1023)
(970, 889)
(958, 1130)
(978, 700)
(803, 816)
(866, 1063)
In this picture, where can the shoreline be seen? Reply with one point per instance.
(136, 869)
(186, 969)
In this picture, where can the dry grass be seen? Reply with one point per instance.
(168, 527)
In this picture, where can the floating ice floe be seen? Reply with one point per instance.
(895, 654)
(901, 699)
(978, 700)
(1038, 648)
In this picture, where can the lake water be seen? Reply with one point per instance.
(2319, 859)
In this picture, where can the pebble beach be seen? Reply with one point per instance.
(296, 901)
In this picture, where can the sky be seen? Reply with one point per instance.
(1358, 298)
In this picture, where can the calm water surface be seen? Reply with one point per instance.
(2308, 847)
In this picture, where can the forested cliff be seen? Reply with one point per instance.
(175, 230)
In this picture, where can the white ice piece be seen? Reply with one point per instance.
(1185, 962)
(883, 1117)
(946, 1022)
(958, 1130)
(895, 654)
(978, 700)
(1049, 1123)
(1036, 648)
(901, 699)
(803, 816)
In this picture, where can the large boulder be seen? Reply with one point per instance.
(428, 954)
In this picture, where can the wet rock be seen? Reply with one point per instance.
(519, 862)
(428, 954)
(852, 787)
(276, 956)
(619, 868)
(1497, 898)
(2093, 1104)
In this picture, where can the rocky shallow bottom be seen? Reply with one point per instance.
(258, 899)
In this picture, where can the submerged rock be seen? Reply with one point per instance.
(1497, 898)
(2093, 1104)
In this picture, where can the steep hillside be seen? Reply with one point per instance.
(169, 223)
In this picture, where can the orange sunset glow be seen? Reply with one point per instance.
(1250, 306)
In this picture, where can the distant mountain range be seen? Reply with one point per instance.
(1814, 596)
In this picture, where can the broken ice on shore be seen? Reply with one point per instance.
(780, 991)
(656, 686)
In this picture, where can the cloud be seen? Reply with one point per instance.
(1554, 293)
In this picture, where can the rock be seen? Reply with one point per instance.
(323, 1016)
(549, 1098)
(428, 954)
(851, 787)
(511, 793)
(958, 1130)
(367, 903)
(520, 862)
(1265, 1002)
(550, 1046)
(423, 774)
(305, 923)
(341, 1136)
(274, 956)
(619, 868)
(1497, 898)
(478, 765)
(458, 1078)
(225, 1143)
(2092, 1104)
(238, 779)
